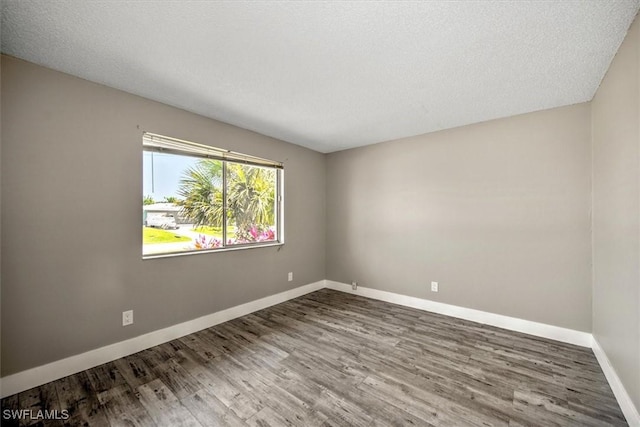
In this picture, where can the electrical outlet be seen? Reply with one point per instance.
(354, 286)
(290, 276)
(127, 317)
(434, 286)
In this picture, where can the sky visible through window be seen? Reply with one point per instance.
(162, 180)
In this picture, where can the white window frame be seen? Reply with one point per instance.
(163, 144)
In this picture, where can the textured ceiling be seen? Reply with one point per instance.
(330, 75)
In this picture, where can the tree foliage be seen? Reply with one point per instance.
(250, 197)
(201, 191)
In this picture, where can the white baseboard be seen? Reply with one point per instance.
(624, 400)
(40, 375)
(512, 323)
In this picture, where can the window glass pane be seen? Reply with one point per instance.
(182, 196)
(251, 204)
(193, 203)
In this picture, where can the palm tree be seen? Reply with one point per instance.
(201, 190)
(250, 197)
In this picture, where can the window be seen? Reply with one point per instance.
(199, 198)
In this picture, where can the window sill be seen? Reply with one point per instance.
(208, 251)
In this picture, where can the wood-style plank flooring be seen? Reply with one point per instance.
(334, 359)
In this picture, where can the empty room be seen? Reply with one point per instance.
(320, 213)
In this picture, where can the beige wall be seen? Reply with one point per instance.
(71, 218)
(616, 213)
(497, 213)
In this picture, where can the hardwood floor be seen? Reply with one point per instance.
(334, 359)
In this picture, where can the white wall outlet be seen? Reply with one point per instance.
(290, 276)
(434, 286)
(127, 317)
(354, 286)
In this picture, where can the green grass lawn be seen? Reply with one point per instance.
(215, 231)
(155, 235)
